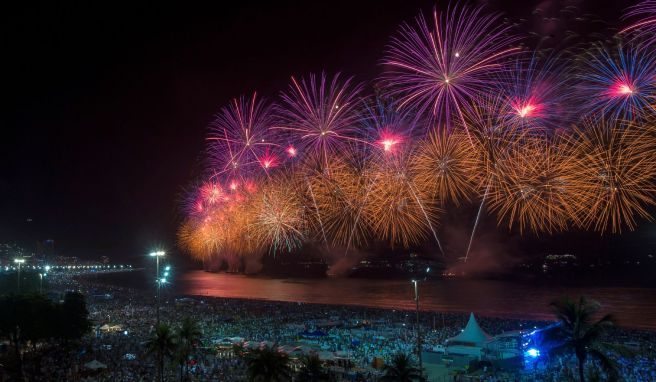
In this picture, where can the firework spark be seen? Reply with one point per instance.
(645, 26)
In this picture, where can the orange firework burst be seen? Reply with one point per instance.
(539, 187)
(445, 166)
(615, 164)
(491, 132)
(396, 211)
(338, 192)
(278, 215)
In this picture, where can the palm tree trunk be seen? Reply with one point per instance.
(17, 353)
(161, 368)
(581, 373)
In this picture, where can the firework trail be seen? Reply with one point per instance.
(492, 134)
(645, 26)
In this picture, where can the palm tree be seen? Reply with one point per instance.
(187, 336)
(401, 369)
(579, 333)
(163, 344)
(312, 370)
(267, 364)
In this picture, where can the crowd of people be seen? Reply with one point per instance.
(351, 339)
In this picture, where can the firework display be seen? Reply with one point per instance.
(466, 117)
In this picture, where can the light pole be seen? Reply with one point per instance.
(157, 255)
(421, 369)
(40, 283)
(19, 262)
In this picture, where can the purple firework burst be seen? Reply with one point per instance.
(436, 69)
(320, 115)
(241, 140)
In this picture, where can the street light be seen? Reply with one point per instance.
(19, 262)
(421, 370)
(416, 285)
(157, 255)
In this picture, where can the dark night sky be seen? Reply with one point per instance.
(106, 104)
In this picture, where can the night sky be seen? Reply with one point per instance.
(106, 105)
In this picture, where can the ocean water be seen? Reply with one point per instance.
(633, 307)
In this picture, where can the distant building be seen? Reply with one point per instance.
(10, 251)
(559, 262)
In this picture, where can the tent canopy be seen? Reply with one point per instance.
(472, 334)
(95, 365)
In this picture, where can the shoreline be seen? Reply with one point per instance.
(533, 317)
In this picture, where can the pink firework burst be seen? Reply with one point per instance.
(320, 115)
(435, 69)
(241, 140)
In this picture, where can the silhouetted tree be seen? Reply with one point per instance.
(401, 369)
(162, 343)
(267, 364)
(188, 336)
(579, 333)
(73, 318)
(312, 370)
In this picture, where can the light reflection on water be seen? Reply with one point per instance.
(635, 307)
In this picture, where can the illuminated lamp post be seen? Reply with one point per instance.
(418, 330)
(421, 370)
(157, 255)
(19, 262)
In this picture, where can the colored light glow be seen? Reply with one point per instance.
(624, 89)
(291, 150)
(233, 185)
(388, 141)
(526, 111)
(526, 108)
(533, 353)
(268, 160)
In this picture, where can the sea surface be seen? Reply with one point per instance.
(632, 307)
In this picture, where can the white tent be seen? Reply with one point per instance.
(470, 341)
(472, 334)
(95, 365)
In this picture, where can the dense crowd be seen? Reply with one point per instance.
(349, 338)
